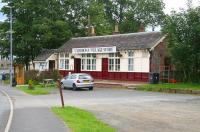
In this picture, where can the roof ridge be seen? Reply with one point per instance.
(115, 35)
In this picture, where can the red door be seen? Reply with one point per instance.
(105, 68)
(77, 65)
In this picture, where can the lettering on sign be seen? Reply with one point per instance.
(94, 50)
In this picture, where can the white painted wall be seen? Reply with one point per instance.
(46, 63)
(141, 61)
(38, 67)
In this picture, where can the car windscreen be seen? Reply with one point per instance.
(84, 77)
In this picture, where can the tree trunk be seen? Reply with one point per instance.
(27, 65)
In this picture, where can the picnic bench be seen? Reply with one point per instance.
(48, 81)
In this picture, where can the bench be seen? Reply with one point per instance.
(47, 81)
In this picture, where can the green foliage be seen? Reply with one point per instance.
(38, 89)
(31, 75)
(184, 43)
(49, 23)
(37, 76)
(81, 121)
(30, 84)
(162, 87)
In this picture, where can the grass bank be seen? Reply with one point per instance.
(163, 87)
(80, 120)
(38, 89)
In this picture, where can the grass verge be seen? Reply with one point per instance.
(80, 120)
(162, 87)
(38, 89)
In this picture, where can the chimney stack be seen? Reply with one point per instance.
(141, 28)
(92, 31)
(116, 31)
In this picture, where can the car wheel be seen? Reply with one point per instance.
(90, 88)
(74, 88)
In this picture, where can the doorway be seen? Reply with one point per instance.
(104, 68)
(51, 64)
(77, 65)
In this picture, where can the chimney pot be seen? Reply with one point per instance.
(92, 31)
(116, 31)
(141, 28)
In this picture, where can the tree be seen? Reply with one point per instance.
(133, 13)
(82, 14)
(184, 42)
(49, 23)
(37, 24)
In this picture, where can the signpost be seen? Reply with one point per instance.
(61, 94)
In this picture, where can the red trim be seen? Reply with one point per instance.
(126, 76)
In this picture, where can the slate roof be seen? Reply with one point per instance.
(142, 40)
(45, 54)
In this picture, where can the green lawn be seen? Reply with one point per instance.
(38, 89)
(160, 87)
(80, 120)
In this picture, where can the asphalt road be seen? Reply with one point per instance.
(126, 110)
(4, 111)
(134, 111)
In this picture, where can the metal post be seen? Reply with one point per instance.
(11, 43)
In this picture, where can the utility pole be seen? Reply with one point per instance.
(11, 46)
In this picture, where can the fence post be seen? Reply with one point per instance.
(61, 93)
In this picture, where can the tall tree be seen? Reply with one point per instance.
(133, 13)
(184, 42)
(37, 24)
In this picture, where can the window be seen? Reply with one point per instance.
(72, 77)
(64, 61)
(88, 62)
(114, 62)
(131, 60)
(42, 65)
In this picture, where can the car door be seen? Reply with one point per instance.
(66, 81)
(71, 80)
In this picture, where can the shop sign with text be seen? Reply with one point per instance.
(94, 50)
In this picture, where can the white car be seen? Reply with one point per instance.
(77, 80)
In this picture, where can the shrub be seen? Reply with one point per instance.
(30, 84)
(37, 76)
(31, 75)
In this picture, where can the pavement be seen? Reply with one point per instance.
(31, 114)
(126, 110)
(4, 111)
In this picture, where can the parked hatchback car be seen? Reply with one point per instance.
(77, 80)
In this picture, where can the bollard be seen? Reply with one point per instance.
(61, 94)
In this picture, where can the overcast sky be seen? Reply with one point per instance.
(169, 5)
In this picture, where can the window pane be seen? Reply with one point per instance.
(93, 55)
(66, 64)
(88, 55)
(66, 55)
(62, 55)
(83, 55)
(61, 64)
(130, 64)
(130, 53)
(83, 64)
(111, 55)
(93, 64)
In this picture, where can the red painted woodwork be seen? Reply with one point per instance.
(64, 73)
(77, 65)
(104, 68)
(126, 76)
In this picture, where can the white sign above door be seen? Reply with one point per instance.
(94, 50)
